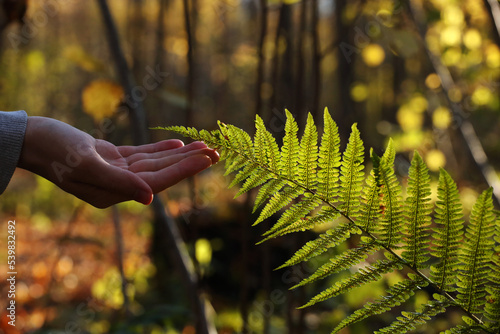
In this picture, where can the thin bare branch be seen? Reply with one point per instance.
(174, 240)
(493, 8)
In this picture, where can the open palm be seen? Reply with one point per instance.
(103, 174)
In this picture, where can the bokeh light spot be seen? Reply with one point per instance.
(435, 159)
(472, 39)
(451, 36)
(203, 251)
(441, 118)
(492, 56)
(432, 81)
(481, 96)
(359, 92)
(452, 15)
(373, 55)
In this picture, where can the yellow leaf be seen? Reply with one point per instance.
(100, 98)
(77, 55)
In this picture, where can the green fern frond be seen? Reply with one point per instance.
(492, 309)
(396, 295)
(238, 140)
(290, 149)
(233, 161)
(352, 175)
(267, 190)
(448, 235)
(326, 214)
(363, 276)
(371, 197)
(296, 211)
(410, 320)
(417, 213)
(321, 244)
(253, 176)
(329, 160)
(244, 173)
(460, 329)
(278, 201)
(346, 260)
(389, 226)
(265, 147)
(309, 186)
(477, 251)
(182, 130)
(238, 149)
(308, 155)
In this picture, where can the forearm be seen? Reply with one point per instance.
(49, 148)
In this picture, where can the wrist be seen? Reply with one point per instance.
(31, 157)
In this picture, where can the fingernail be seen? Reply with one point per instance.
(143, 196)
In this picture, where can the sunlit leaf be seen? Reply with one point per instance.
(101, 98)
(78, 56)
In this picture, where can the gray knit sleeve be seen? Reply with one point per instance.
(12, 128)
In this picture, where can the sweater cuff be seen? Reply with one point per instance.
(12, 129)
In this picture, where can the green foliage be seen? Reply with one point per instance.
(312, 184)
(448, 234)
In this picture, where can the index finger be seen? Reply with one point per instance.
(164, 145)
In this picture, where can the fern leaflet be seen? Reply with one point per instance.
(448, 234)
(417, 213)
(409, 320)
(329, 160)
(396, 295)
(352, 175)
(363, 276)
(343, 261)
(391, 220)
(476, 254)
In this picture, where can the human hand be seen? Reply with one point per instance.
(103, 174)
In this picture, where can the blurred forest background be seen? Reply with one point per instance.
(424, 72)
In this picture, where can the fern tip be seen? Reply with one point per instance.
(304, 306)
